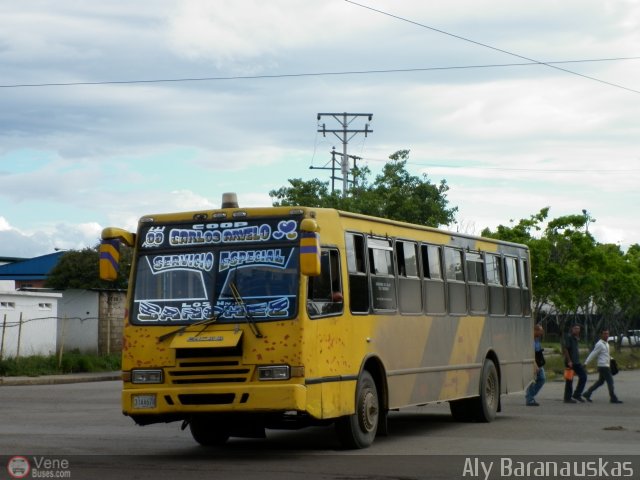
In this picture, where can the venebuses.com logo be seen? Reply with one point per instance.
(19, 466)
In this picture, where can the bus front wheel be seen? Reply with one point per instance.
(209, 432)
(359, 430)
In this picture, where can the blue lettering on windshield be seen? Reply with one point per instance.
(183, 236)
(154, 237)
(286, 228)
(192, 261)
(245, 257)
(247, 234)
(152, 312)
(216, 234)
(271, 309)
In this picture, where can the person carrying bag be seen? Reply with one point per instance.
(605, 368)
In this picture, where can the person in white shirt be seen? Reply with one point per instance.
(601, 353)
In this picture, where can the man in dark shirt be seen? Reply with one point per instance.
(572, 360)
(539, 376)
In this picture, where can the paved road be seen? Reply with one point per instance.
(82, 422)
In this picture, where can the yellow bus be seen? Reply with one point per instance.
(246, 319)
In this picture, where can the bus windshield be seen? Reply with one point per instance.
(225, 282)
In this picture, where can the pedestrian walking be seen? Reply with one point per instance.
(571, 353)
(601, 353)
(538, 376)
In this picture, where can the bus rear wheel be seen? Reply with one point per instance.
(208, 431)
(487, 403)
(482, 408)
(359, 430)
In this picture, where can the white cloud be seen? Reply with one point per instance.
(108, 154)
(14, 243)
(249, 35)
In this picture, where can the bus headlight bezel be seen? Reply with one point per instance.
(274, 372)
(147, 376)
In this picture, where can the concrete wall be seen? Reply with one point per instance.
(28, 323)
(86, 320)
(112, 307)
(78, 312)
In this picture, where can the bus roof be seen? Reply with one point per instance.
(211, 215)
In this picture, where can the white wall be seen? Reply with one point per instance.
(78, 321)
(29, 318)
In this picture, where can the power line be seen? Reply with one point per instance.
(317, 74)
(512, 169)
(459, 37)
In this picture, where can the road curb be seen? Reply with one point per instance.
(60, 379)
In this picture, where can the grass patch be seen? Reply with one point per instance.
(71, 362)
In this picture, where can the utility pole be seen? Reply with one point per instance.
(336, 165)
(345, 134)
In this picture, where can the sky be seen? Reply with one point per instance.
(113, 110)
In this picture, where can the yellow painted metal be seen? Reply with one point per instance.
(109, 262)
(126, 237)
(310, 254)
(217, 339)
(463, 382)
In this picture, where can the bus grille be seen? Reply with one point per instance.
(212, 370)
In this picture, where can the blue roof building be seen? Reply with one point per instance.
(31, 273)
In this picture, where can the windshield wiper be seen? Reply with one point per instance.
(204, 323)
(239, 301)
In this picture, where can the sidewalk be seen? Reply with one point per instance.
(58, 379)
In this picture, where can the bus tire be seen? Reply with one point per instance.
(482, 408)
(489, 399)
(359, 430)
(209, 432)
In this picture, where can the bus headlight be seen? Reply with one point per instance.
(146, 376)
(274, 372)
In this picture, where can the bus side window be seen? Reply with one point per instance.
(456, 287)
(495, 279)
(526, 292)
(357, 270)
(382, 274)
(476, 282)
(336, 277)
(409, 284)
(324, 294)
(433, 283)
(514, 295)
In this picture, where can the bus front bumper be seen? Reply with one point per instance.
(168, 400)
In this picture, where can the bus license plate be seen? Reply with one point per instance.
(144, 401)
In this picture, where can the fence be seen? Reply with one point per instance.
(23, 336)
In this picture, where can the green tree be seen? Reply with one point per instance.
(573, 275)
(573, 278)
(312, 193)
(526, 231)
(617, 298)
(394, 194)
(79, 269)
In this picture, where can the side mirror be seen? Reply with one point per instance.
(109, 260)
(309, 248)
(110, 251)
